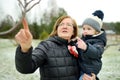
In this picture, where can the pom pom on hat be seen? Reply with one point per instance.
(95, 20)
(99, 14)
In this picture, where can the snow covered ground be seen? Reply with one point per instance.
(110, 69)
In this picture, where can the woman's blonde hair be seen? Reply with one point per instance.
(59, 20)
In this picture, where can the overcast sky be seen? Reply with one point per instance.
(78, 9)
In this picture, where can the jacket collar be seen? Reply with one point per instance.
(58, 40)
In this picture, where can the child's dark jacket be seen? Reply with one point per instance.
(90, 60)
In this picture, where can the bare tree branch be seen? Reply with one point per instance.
(111, 45)
(24, 10)
(21, 3)
(11, 30)
(33, 5)
(30, 1)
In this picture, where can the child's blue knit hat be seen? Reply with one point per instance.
(95, 20)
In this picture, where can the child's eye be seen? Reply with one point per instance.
(83, 28)
(89, 28)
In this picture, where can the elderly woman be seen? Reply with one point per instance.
(51, 56)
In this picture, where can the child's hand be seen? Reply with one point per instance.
(81, 44)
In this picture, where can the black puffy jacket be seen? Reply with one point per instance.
(52, 58)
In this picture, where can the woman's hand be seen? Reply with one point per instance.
(24, 37)
(87, 77)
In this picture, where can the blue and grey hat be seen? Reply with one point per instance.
(95, 20)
